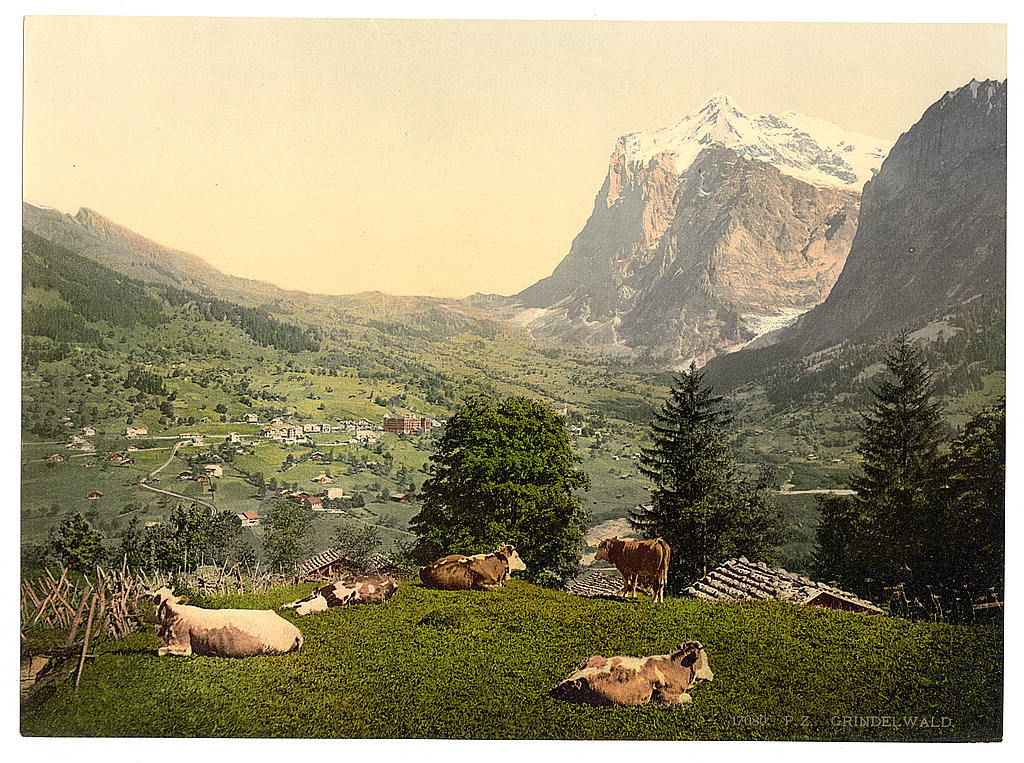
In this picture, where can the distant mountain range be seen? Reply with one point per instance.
(707, 234)
(707, 237)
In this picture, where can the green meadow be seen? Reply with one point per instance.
(481, 665)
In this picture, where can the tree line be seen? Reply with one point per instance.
(926, 520)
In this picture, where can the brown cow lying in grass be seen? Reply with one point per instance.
(187, 630)
(372, 588)
(662, 678)
(639, 561)
(482, 572)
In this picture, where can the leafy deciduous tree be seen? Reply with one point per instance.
(76, 543)
(505, 472)
(285, 541)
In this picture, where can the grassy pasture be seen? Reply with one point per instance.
(481, 664)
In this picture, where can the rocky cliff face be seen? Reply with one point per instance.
(706, 234)
(932, 227)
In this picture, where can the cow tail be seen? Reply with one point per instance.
(298, 643)
(666, 558)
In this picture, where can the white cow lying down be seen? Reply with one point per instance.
(187, 630)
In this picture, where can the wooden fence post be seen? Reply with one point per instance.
(85, 645)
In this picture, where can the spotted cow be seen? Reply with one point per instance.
(186, 630)
(661, 678)
(481, 572)
(372, 588)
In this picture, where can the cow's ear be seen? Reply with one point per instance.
(689, 659)
(182, 600)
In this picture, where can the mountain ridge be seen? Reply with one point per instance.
(694, 246)
(931, 237)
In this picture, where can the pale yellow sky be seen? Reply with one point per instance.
(420, 157)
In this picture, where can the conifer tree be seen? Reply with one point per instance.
(974, 521)
(890, 531)
(698, 504)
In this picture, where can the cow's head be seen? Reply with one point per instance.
(607, 546)
(315, 603)
(515, 562)
(692, 655)
(163, 598)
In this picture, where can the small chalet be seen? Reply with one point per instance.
(234, 437)
(56, 458)
(318, 456)
(249, 518)
(322, 479)
(135, 432)
(114, 457)
(316, 503)
(185, 475)
(214, 470)
(87, 464)
(251, 418)
(127, 462)
(334, 492)
(399, 497)
(741, 580)
(94, 495)
(88, 431)
(202, 479)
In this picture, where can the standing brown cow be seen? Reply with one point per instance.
(638, 561)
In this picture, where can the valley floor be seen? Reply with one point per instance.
(482, 664)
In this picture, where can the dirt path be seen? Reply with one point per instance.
(164, 465)
(820, 491)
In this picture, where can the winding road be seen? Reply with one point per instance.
(145, 486)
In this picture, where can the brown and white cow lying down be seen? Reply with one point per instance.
(639, 561)
(662, 678)
(187, 630)
(372, 588)
(481, 572)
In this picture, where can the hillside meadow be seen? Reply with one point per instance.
(481, 664)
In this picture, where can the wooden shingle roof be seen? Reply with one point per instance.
(330, 556)
(740, 579)
(596, 584)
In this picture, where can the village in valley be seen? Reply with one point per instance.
(362, 471)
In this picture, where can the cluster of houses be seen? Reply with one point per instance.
(360, 431)
(208, 471)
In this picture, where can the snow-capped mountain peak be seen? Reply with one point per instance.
(806, 148)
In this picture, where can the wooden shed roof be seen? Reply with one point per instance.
(740, 579)
(596, 584)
